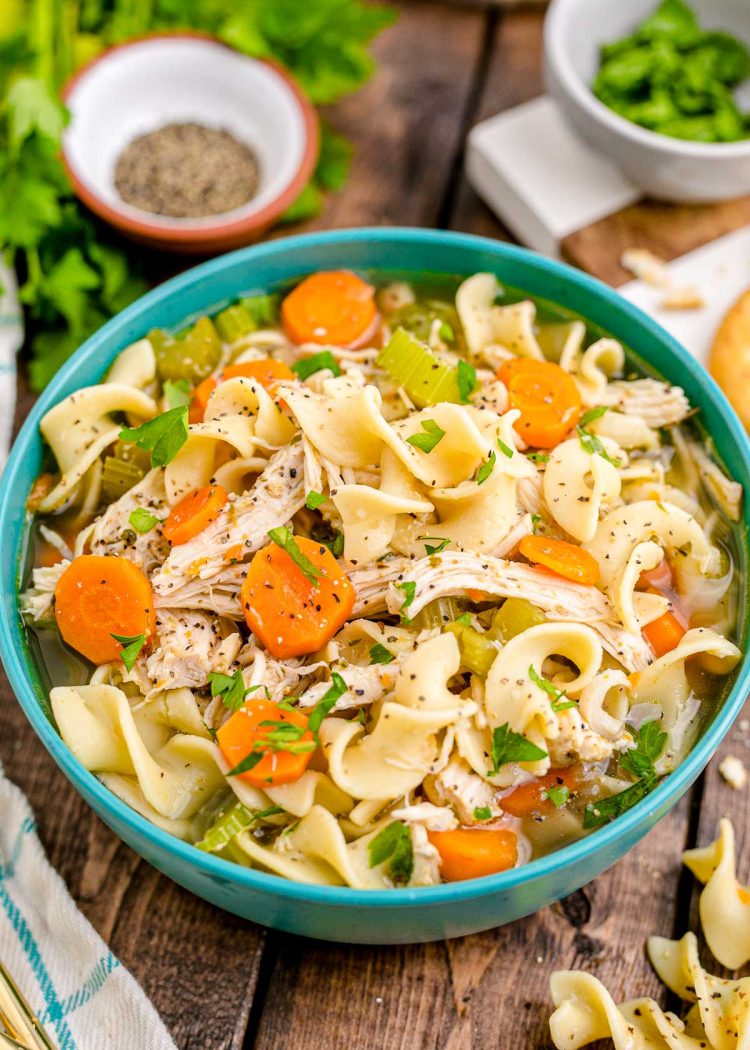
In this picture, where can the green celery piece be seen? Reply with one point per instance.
(234, 323)
(514, 617)
(227, 826)
(425, 378)
(118, 477)
(437, 613)
(193, 355)
(477, 651)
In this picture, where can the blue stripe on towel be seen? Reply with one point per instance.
(29, 945)
(88, 989)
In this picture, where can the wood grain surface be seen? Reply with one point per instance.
(222, 983)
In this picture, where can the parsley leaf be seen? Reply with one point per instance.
(177, 392)
(466, 377)
(308, 366)
(283, 538)
(508, 746)
(163, 436)
(591, 415)
(249, 762)
(593, 444)
(143, 520)
(380, 655)
(464, 619)
(558, 795)
(231, 689)
(486, 468)
(326, 702)
(650, 742)
(394, 843)
(439, 540)
(132, 645)
(505, 449)
(314, 499)
(535, 519)
(596, 814)
(426, 442)
(482, 813)
(538, 457)
(409, 588)
(558, 697)
(284, 736)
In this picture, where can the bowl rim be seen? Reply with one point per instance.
(105, 801)
(559, 62)
(204, 235)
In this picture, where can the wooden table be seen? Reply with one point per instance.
(220, 982)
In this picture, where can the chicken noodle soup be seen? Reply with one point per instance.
(381, 583)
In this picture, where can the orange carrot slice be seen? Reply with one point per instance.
(469, 853)
(547, 398)
(267, 370)
(97, 597)
(563, 558)
(664, 634)
(245, 734)
(334, 306)
(531, 797)
(194, 513)
(285, 610)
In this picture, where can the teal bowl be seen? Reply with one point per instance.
(399, 916)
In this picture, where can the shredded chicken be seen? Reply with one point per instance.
(657, 403)
(371, 584)
(429, 816)
(242, 527)
(459, 787)
(114, 534)
(578, 742)
(37, 602)
(189, 647)
(727, 493)
(220, 595)
(366, 685)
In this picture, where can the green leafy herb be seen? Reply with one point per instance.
(558, 795)
(650, 741)
(427, 441)
(337, 688)
(143, 520)
(446, 333)
(440, 544)
(283, 538)
(409, 588)
(466, 376)
(314, 499)
(177, 392)
(464, 620)
(535, 519)
(308, 366)
(284, 736)
(394, 843)
(505, 449)
(482, 813)
(231, 689)
(486, 468)
(380, 655)
(593, 444)
(598, 813)
(250, 761)
(538, 457)
(558, 697)
(508, 746)
(163, 436)
(131, 647)
(591, 415)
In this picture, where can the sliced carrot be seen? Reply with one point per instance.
(563, 558)
(334, 306)
(285, 610)
(194, 513)
(659, 578)
(531, 797)
(664, 634)
(235, 553)
(469, 853)
(244, 734)
(547, 398)
(476, 596)
(267, 370)
(97, 597)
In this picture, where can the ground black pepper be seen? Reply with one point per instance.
(186, 171)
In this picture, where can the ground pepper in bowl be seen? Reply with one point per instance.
(187, 171)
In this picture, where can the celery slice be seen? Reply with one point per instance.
(436, 613)
(263, 309)
(477, 651)
(226, 827)
(515, 616)
(193, 355)
(119, 476)
(234, 323)
(425, 378)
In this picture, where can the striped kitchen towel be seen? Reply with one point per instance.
(11, 338)
(84, 998)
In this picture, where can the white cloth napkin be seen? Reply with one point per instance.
(83, 996)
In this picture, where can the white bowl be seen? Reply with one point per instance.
(144, 84)
(666, 168)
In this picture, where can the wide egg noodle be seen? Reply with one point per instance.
(577, 485)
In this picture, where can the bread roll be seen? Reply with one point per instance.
(729, 360)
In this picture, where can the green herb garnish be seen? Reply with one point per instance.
(177, 392)
(558, 697)
(432, 436)
(143, 520)
(163, 436)
(231, 689)
(380, 655)
(596, 814)
(650, 741)
(508, 746)
(284, 736)
(409, 588)
(394, 843)
(132, 645)
(505, 449)
(538, 457)
(466, 376)
(440, 544)
(314, 499)
(283, 538)
(558, 795)
(593, 444)
(591, 415)
(464, 620)
(308, 366)
(486, 468)
(338, 688)
(482, 813)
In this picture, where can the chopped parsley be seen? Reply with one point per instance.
(508, 746)
(591, 415)
(177, 392)
(440, 542)
(466, 376)
(538, 457)
(308, 366)
(163, 436)
(558, 795)
(314, 499)
(535, 519)
(558, 697)
(464, 619)
(432, 436)
(446, 333)
(380, 655)
(338, 688)
(505, 449)
(394, 843)
(596, 814)
(230, 687)
(143, 520)
(640, 762)
(591, 443)
(283, 538)
(409, 588)
(486, 468)
(649, 744)
(482, 813)
(248, 762)
(131, 647)
(284, 736)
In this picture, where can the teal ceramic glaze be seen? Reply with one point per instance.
(342, 914)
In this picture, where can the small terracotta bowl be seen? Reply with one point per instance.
(161, 79)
